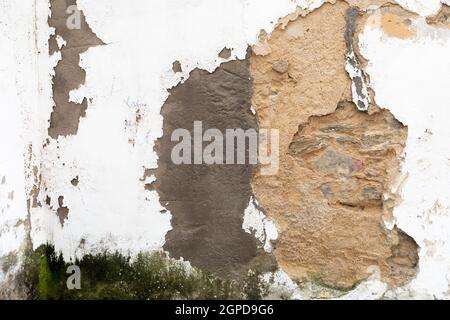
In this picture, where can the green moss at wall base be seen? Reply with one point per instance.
(150, 276)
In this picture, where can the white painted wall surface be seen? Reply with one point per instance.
(18, 92)
(411, 78)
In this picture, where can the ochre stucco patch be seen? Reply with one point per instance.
(336, 164)
(397, 26)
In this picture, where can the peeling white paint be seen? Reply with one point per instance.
(423, 7)
(360, 99)
(281, 285)
(410, 78)
(256, 223)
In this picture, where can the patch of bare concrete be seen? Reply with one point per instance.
(225, 53)
(176, 67)
(69, 75)
(337, 164)
(207, 202)
(62, 211)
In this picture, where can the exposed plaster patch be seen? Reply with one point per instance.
(225, 53)
(208, 201)
(423, 7)
(176, 66)
(336, 164)
(62, 211)
(68, 74)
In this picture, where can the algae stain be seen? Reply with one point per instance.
(150, 276)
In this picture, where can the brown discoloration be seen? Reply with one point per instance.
(442, 18)
(176, 67)
(225, 53)
(207, 202)
(52, 44)
(62, 211)
(68, 74)
(336, 164)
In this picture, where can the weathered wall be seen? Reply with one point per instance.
(357, 90)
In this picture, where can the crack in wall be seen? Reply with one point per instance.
(66, 115)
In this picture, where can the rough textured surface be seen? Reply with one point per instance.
(410, 78)
(68, 74)
(401, 49)
(208, 201)
(336, 163)
(442, 18)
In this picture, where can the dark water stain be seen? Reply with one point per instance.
(207, 202)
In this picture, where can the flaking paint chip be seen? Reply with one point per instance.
(280, 66)
(176, 67)
(225, 53)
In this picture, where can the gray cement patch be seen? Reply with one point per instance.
(208, 201)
